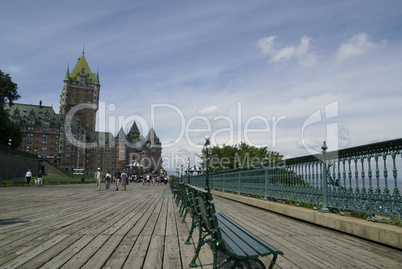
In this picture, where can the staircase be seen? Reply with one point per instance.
(52, 171)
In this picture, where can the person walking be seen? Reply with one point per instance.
(123, 179)
(98, 178)
(108, 178)
(39, 179)
(28, 176)
(148, 180)
(117, 178)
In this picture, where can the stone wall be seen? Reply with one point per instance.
(14, 163)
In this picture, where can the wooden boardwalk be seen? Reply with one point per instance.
(75, 226)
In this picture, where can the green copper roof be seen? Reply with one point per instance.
(82, 69)
(67, 76)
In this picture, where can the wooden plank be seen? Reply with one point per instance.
(172, 252)
(101, 256)
(48, 254)
(68, 253)
(160, 227)
(154, 255)
(138, 253)
(81, 257)
(171, 229)
(35, 251)
(118, 257)
(22, 246)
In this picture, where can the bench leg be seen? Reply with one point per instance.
(185, 214)
(201, 242)
(273, 261)
(190, 233)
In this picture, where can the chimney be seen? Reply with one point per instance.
(40, 103)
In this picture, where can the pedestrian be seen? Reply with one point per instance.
(28, 176)
(108, 178)
(117, 178)
(123, 179)
(98, 178)
(148, 180)
(39, 179)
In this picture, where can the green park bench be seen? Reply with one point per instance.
(63, 181)
(2, 183)
(224, 235)
(173, 188)
(51, 181)
(19, 181)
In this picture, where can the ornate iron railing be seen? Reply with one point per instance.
(363, 179)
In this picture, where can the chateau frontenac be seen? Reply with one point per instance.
(69, 140)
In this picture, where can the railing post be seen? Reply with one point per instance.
(238, 190)
(266, 184)
(324, 208)
(223, 183)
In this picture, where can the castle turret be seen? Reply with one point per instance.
(81, 87)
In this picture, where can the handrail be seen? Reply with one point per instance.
(362, 178)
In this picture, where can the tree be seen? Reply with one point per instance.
(8, 90)
(241, 155)
(8, 129)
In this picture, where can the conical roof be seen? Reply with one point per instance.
(82, 69)
(153, 138)
(67, 76)
(134, 129)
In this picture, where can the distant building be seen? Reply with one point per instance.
(69, 139)
(81, 87)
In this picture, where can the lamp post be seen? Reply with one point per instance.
(188, 171)
(9, 142)
(206, 147)
(324, 181)
(182, 173)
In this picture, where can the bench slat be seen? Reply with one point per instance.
(259, 245)
(236, 245)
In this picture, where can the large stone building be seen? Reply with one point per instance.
(69, 139)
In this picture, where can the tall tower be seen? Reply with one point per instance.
(81, 87)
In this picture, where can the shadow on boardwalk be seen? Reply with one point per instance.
(75, 226)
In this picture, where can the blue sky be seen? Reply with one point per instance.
(282, 74)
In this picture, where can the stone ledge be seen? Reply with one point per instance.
(378, 232)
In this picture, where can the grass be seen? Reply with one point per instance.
(76, 179)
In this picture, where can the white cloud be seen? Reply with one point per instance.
(357, 45)
(267, 45)
(301, 52)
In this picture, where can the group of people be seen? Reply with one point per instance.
(153, 180)
(38, 179)
(123, 179)
(119, 178)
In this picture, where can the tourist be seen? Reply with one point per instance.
(28, 176)
(148, 180)
(98, 178)
(39, 179)
(123, 179)
(117, 179)
(108, 178)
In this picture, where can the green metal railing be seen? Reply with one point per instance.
(360, 179)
